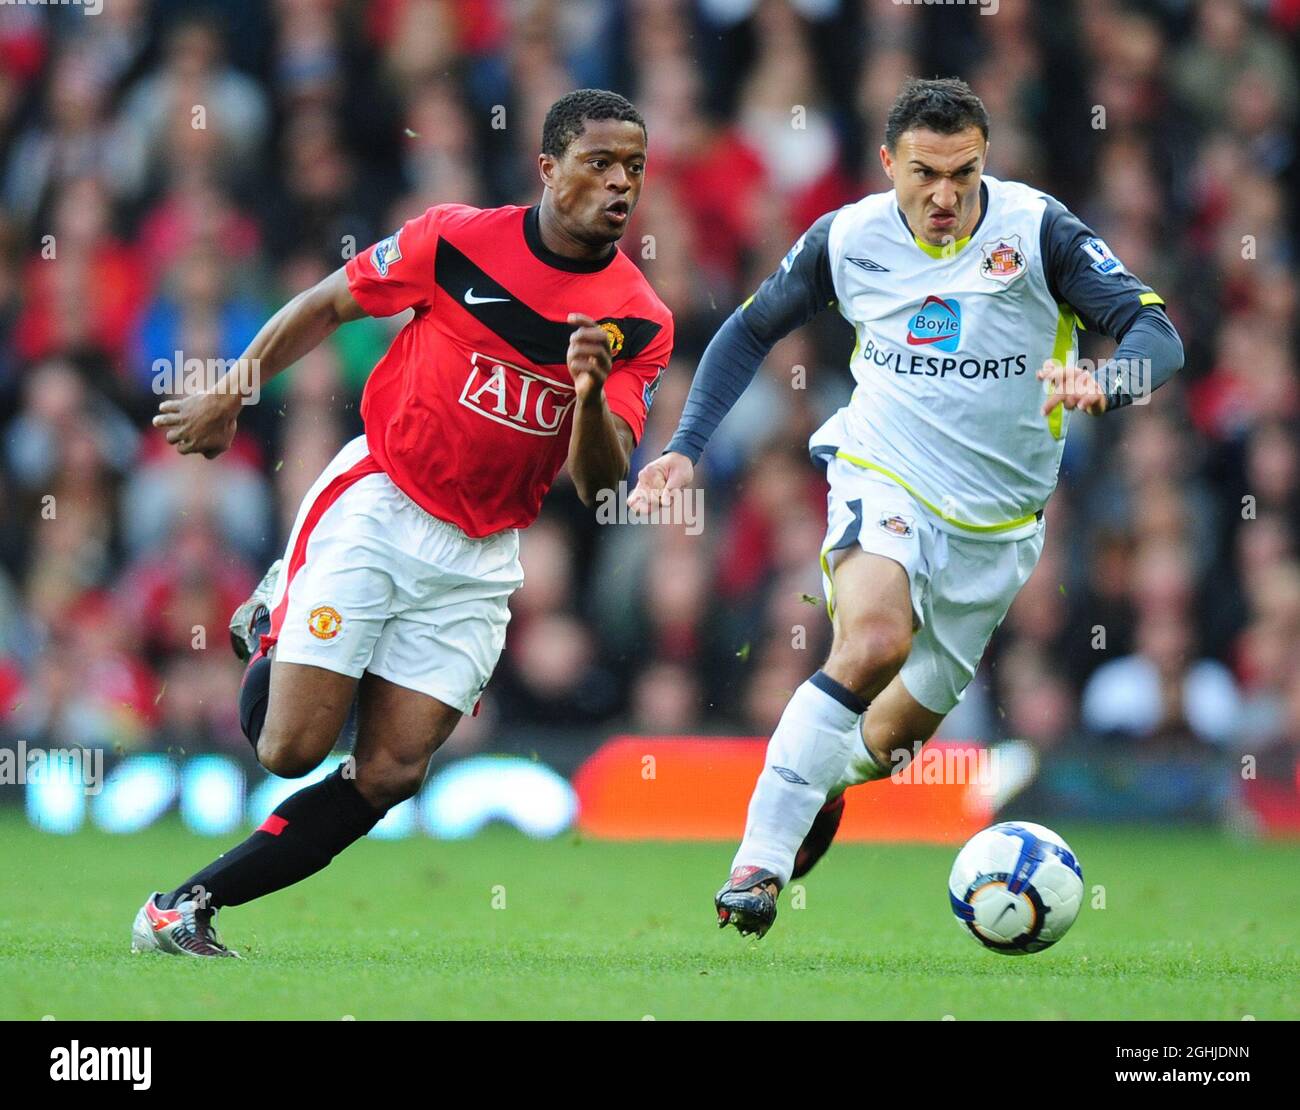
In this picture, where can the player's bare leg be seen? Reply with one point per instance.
(811, 745)
(398, 730)
(891, 729)
(249, 628)
(306, 711)
(889, 732)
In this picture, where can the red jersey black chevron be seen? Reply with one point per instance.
(470, 410)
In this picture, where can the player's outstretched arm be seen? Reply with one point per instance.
(1149, 354)
(1083, 273)
(786, 300)
(205, 422)
(658, 478)
(726, 368)
(600, 445)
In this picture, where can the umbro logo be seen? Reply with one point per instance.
(867, 264)
(471, 299)
(791, 776)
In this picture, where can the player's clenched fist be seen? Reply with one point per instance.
(1073, 388)
(659, 479)
(202, 422)
(589, 359)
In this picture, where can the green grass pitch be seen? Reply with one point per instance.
(1195, 925)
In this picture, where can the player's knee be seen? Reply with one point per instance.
(891, 748)
(872, 650)
(385, 784)
(286, 753)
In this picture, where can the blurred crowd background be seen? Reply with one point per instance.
(171, 172)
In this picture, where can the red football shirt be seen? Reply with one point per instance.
(469, 412)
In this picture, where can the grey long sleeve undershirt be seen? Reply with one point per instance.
(1148, 356)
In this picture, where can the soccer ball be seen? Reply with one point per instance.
(1016, 887)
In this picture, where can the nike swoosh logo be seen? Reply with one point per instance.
(471, 299)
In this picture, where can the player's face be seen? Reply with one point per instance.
(596, 183)
(937, 181)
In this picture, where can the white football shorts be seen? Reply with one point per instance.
(372, 582)
(961, 588)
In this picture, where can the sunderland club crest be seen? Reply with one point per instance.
(896, 525)
(1003, 259)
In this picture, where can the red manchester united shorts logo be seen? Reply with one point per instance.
(324, 622)
(518, 398)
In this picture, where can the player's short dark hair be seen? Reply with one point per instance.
(566, 118)
(945, 105)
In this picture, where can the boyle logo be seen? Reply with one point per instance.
(938, 322)
(516, 397)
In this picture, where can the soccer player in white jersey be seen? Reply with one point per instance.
(965, 293)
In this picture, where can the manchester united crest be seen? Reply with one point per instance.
(1003, 259)
(615, 334)
(324, 622)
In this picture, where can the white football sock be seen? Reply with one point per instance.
(862, 766)
(805, 758)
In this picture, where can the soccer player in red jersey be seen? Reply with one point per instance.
(534, 342)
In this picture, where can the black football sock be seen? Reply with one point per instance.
(255, 689)
(254, 693)
(304, 833)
